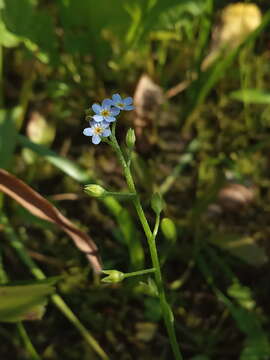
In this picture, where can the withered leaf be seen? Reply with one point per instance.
(40, 207)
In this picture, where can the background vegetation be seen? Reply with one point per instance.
(202, 126)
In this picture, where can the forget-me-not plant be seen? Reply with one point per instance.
(97, 130)
(105, 112)
(122, 104)
(100, 130)
(104, 115)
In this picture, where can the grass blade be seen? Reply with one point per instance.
(18, 246)
(67, 166)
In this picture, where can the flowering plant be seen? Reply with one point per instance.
(104, 115)
(99, 130)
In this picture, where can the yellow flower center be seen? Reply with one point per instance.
(121, 105)
(98, 130)
(105, 112)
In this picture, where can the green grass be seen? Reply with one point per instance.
(55, 61)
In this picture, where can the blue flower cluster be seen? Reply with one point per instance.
(104, 115)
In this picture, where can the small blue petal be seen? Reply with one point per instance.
(116, 98)
(106, 103)
(115, 111)
(129, 107)
(88, 132)
(105, 124)
(106, 133)
(128, 101)
(110, 118)
(96, 108)
(93, 123)
(98, 118)
(96, 139)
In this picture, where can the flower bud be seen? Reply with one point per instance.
(130, 138)
(114, 276)
(95, 190)
(157, 203)
(168, 229)
(148, 288)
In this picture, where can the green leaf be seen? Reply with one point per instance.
(24, 302)
(67, 166)
(243, 247)
(7, 135)
(251, 96)
(242, 294)
(33, 27)
(7, 39)
(84, 23)
(147, 16)
(128, 232)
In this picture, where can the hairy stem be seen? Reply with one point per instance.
(166, 310)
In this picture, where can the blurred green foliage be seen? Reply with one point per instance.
(205, 149)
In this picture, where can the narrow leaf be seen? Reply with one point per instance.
(23, 302)
(251, 96)
(40, 207)
(60, 162)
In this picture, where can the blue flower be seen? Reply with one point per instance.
(122, 104)
(97, 130)
(104, 111)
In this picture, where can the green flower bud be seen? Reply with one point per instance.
(95, 190)
(168, 229)
(115, 276)
(157, 203)
(130, 138)
(149, 288)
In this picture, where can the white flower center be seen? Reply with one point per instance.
(105, 112)
(98, 130)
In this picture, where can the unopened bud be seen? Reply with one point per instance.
(95, 190)
(157, 203)
(169, 229)
(130, 138)
(114, 276)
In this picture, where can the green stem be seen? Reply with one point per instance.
(27, 342)
(184, 160)
(141, 272)
(57, 300)
(1, 78)
(26, 92)
(120, 195)
(166, 310)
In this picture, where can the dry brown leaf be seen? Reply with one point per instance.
(236, 196)
(40, 207)
(237, 22)
(147, 100)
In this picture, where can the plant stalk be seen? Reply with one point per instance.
(141, 272)
(27, 342)
(166, 310)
